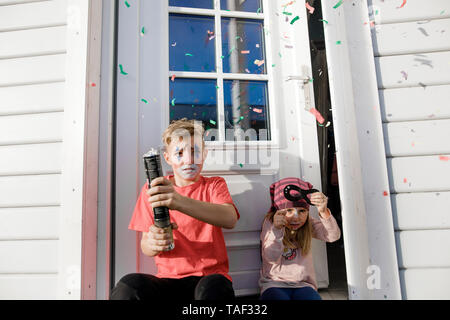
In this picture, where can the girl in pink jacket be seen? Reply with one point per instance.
(287, 264)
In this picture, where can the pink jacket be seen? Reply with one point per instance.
(289, 268)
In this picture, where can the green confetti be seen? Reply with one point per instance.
(188, 55)
(145, 101)
(127, 4)
(287, 13)
(212, 122)
(442, 12)
(295, 19)
(217, 87)
(279, 53)
(273, 65)
(338, 4)
(121, 70)
(323, 20)
(339, 42)
(173, 102)
(143, 30)
(241, 165)
(259, 10)
(240, 119)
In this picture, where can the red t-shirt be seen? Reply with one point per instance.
(199, 247)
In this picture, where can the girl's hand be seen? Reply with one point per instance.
(163, 194)
(279, 219)
(319, 200)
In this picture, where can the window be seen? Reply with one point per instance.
(218, 70)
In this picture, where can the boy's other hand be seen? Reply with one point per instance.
(158, 239)
(163, 194)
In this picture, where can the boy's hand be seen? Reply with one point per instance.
(163, 194)
(319, 200)
(279, 219)
(158, 239)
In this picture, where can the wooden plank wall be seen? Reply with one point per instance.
(32, 64)
(412, 54)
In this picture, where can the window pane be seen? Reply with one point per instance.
(204, 4)
(243, 46)
(239, 5)
(192, 43)
(194, 99)
(246, 107)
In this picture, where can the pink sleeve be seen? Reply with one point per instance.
(271, 242)
(142, 217)
(325, 229)
(220, 194)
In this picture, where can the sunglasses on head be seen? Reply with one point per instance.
(303, 194)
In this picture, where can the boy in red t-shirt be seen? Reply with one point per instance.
(197, 268)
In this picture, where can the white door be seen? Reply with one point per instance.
(242, 68)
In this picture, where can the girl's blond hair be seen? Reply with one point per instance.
(182, 128)
(300, 238)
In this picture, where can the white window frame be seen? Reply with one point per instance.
(217, 13)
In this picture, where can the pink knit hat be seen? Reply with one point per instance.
(291, 188)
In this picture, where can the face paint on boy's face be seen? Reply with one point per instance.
(188, 171)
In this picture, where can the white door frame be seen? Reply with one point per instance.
(368, 230)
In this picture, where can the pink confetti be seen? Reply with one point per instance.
(93, 85)
(311, 9)
(405, 75)
(403, 4)
(259, 63)
(385, 193)
(173, 78)
(245, 51)
(444, 158)
(257, 110)
(317, 114)
(404, 180)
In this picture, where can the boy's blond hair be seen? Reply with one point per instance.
(181, 129)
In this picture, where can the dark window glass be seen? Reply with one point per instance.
(239, 5)
(246, 107)
(192, 43)
(203, 4)
(194, 99)
(243, 46)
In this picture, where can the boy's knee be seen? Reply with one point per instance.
(128, 287)
(214, 287)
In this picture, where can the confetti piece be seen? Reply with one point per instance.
(174, 44)
(212, 122)
(287, 13)
(121, 70)
(188, 55)
(93, 85)
(143, 31)
(259, 10)
(240, 119)
(145, 101)
(295, 19)
(257, 110)
(405, 180)
(241, 165)
(245, 51)
(337, 5)
(288, 4)
(259, 63)
(257, 45)
(246, 70)
(423, 31)
(173, 102)
(385, 193)
(323, 20)
(405, 75)
(173, 78)
(127, 4)
(444, 158)
(311, 9)
(317, 114)
(403, 4)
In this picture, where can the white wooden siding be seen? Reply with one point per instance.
(412, 50)
(32, 93)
